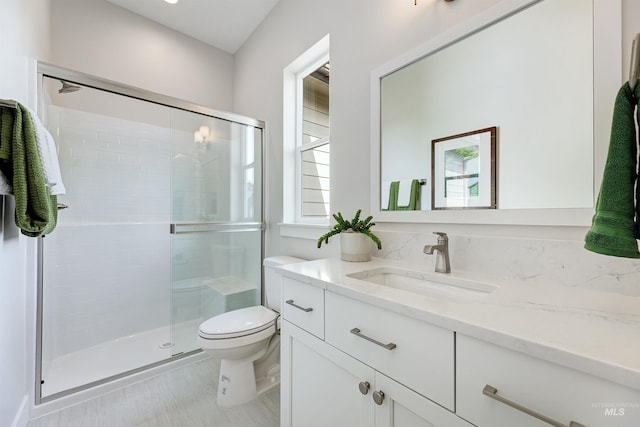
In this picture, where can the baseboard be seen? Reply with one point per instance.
(22, 416)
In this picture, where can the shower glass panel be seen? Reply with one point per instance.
(216, 250)
(163, 229)
(105, 277)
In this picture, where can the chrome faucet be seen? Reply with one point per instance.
(442, 255)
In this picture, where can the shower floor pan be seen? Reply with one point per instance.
(111, 358)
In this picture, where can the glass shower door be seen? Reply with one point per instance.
(163, 230)
(216, 211)
(105, 276)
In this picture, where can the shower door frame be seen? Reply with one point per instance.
(52, 71)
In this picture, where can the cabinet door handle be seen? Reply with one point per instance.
(364, 387)
(306, 309)
(492, 392)
(356, 332)
(378, 397)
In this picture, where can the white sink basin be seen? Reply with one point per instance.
(429, 284)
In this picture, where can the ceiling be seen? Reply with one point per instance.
(225, 24)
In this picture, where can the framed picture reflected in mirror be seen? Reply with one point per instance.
(463, 170)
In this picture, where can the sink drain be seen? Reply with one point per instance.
(166, 345)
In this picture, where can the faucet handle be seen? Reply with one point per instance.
(441, 235)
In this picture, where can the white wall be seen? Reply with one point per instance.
(24, 31)
(104, 40)
(364, 35)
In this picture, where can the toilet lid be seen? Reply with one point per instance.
(244, 321)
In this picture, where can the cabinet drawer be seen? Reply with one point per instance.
(303, 305)
(414, 353)
(556, 392)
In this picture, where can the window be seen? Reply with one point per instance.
(313, 149)
(306, 139)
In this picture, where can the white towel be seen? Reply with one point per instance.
(48, 156)
(5, 187)
(384, 194)
(404, 192)
(48, 160)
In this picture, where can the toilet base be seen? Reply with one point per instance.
(237, 382)
(242, 380)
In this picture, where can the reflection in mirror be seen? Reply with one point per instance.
(463, 172)
(531, 75)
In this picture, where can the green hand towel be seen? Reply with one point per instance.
(414, 196)
(613, 230)
(36, 210)
(394, 187)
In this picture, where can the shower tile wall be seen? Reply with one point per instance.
(113, 278)
(115, 170)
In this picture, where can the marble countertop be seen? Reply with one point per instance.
(591, 331)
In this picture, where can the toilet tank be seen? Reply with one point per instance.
(273, 280)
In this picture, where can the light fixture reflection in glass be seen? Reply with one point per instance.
(204, 131)
(197, 137)
(203, 135)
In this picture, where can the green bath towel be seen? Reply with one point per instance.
(614, 228)
(36, 209)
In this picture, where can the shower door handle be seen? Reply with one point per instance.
(219, 227)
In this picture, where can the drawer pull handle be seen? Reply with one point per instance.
(492, 392)
(307, 309)
(356, 332)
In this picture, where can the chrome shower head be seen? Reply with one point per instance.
(68, 87)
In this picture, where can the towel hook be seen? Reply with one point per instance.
(635, 62)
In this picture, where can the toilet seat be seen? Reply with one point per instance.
(238, 323)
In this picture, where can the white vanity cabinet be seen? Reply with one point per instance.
(414, 353)
(320, 385)
(351, 381)
(355, 354)
(515, 384)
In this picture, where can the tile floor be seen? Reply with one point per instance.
(184, 397)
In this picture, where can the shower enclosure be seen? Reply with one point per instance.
(163, 228)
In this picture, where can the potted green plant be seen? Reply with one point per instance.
(354, 237)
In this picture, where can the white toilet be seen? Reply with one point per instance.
(247, 341)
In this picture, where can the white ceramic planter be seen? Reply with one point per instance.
(355, 246)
